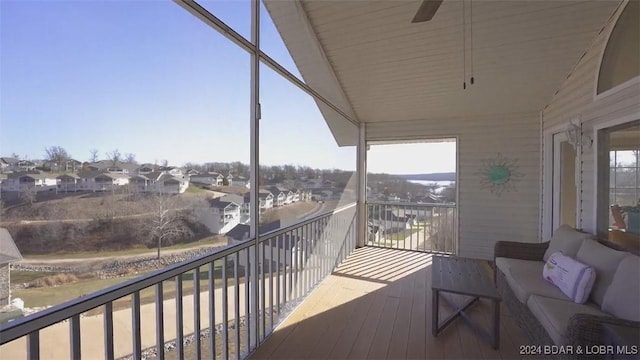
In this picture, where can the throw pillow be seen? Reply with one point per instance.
(565, 239)
(572, 277)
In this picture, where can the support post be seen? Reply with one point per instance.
(254, 178)
(362, 186)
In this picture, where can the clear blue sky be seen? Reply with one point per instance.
(148, 78)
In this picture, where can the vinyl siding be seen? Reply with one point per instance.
(484, 217)
(576, 100)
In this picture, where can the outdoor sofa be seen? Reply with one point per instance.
(611, 314)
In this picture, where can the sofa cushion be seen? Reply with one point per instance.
(605, 261)
(524, 277)
(554, 314)
(622, 298)
(566, 240)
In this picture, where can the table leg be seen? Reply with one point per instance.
(434, 312)
(496, 324)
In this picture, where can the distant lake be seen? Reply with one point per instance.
(429, 182)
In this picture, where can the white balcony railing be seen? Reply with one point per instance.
(412, 226)
(229, 307)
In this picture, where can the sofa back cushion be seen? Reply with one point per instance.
(605, 260)
(622, 298)
(566, 240)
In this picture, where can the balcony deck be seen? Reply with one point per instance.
(377, 304)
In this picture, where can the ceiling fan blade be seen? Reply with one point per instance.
(426, 11)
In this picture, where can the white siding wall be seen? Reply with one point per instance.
(576, 100)
(485, 218)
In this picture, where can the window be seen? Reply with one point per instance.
(619, 180)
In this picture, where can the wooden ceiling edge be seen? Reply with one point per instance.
(307, 32)
(531, 112)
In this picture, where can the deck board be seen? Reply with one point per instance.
(377, 305)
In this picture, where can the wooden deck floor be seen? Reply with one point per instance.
(377, 305)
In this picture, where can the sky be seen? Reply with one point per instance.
(412, 158)
(148, 78)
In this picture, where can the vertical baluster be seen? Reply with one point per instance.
(225, 310)
(290, 256)
(270, 287)
(278, 276)
(237, 303)
(74, 328)
(248, 274)
(135, 325)
(33, 345)
(305, 261)
(403, 209)
(196, 312)
(179, 318)
(299, 255)
(159, 322)
(262, 311)
(107, 316)
(212, 310)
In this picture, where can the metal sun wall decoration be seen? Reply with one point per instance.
(499, 174)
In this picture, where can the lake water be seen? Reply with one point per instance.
(429, 182)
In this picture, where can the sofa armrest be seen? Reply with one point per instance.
(588, 330)
(520, 250)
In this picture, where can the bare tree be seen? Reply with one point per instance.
(93, 157)
(166, 224)
(29, 194)
(57, 155)
(114, 156)
(130, 158)
(15, 156)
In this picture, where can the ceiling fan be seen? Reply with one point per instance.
(426, 10)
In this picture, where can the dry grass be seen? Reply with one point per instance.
(56, 280)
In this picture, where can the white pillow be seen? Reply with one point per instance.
(572, 277)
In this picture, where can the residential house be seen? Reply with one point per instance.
(391, 221)
(240, 181)
(282, 251)
(18, 181)
(289, 196)
(173, 170)
(69, 182)
(9, 253)
(279, 195)
(192, 172)
(96, 181)
(243, 201)
(172, 184)
(147, 168)
(210, 178)
(3, 178)
(266, 200)
(160, 182)
(118, 167)
(219, 216)
(140, 182)
(66, 165)
(7, 164)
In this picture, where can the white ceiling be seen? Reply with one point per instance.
(390, 69)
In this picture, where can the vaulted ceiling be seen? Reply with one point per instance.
(367, 56)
